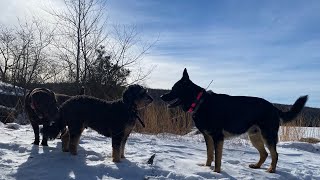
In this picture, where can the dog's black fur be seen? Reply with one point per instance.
(41, 106)
(219, 115)
(114, 119)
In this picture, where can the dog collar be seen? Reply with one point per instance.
(140, 120)
(197, 101)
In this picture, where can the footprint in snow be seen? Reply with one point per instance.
(233, 161)
(93, 158)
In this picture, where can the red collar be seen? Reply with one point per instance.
(194, 104)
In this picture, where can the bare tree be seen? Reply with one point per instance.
(127, 49)
(6, 43)
(83, 28)
(31, 53)
(81, 31)
(24, 53)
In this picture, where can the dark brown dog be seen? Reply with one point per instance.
(219, 115)
(114, 119)
(42, 105)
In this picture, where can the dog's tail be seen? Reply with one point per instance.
(294, 111)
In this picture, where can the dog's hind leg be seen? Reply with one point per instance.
(74, 141)
(271, 142)
(209, 145)
(35, 128)
(270, 135)
(65, 138)
(257, 141)
(44, 141)
(274, 157)
(116, 146)
(218, 146)
(123, 144)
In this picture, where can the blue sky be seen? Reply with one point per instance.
(265, 48)
(269, 49)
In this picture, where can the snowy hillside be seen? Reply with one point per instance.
(177, 157)
(9, 89)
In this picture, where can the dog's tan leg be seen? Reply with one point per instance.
(270, 137)
(209, 145)
(124, 140)
(257, 142)
(274, 158)
(218, 145)
(74, 142)
(65, 138)
(123, 144)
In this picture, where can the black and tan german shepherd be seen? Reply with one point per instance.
(219, 115)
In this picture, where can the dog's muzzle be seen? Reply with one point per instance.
(172, 101)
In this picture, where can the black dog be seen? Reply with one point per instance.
(220, 115)
(114, 119)
(42, 106)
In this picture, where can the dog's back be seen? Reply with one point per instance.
(232, 113)
(100, 115)
(61, 98)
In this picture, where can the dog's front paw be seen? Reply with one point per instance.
(65, 149)
(217, 170)
(254, 166)
(35, 143)
(73, 153)
(201, 164)
(271, 170)
(115, 160)
(44, 143)
(208, 163)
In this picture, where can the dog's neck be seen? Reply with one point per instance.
(196, 103)
(132, 107)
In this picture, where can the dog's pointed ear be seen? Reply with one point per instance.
(185, 74)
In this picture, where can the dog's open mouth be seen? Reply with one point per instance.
(174, 103)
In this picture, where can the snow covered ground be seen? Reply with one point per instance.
(177, 157)
(9, 89)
